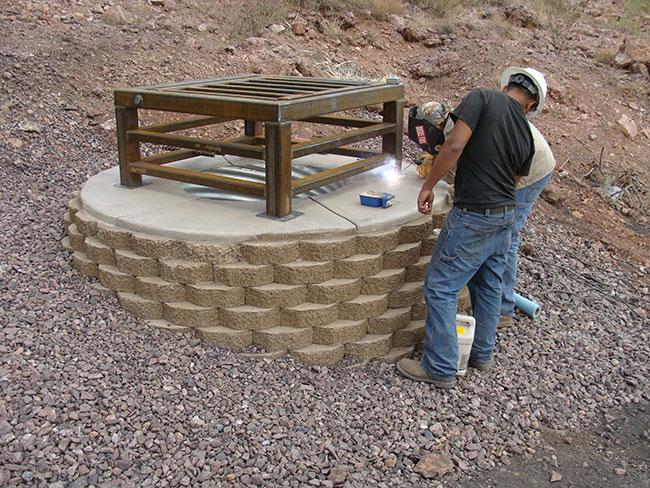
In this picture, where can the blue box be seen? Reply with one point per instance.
(376, 199)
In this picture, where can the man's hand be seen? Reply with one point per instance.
(425, 201)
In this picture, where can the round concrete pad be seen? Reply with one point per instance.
(163, 208)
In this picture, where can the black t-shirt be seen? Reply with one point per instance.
(500, 148)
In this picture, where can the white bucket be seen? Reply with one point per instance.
(465, 326)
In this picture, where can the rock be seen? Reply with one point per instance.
(527, 249)
(157, 3)
(18, 143)
(522, 16)
(431, 465)
(593, 137)
(338, 474)
(433, 42)
(197, 422)
(556, 92)
(396, 21)
(277, 28)
(303, 68)
(29, 126)
(646, 132)
(4, 427)
(111, 419)
(640, 69)
(619, 471)
(347, 20)
(552, 194)
(413, 33)
(555, 477)
(434, 66)
(299, 28)
(202, 27)
(631, 52)
(628, 126)
(108, 125)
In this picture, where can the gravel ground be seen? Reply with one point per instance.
(91, 396)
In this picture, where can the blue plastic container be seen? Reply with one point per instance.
(376, 199)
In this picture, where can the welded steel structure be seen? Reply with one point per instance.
(268, 105)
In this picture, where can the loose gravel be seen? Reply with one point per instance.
(90, 396)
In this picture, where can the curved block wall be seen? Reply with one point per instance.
(318, 299)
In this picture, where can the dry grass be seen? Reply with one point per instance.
(605, 56)
(380, 9)
(249, 17)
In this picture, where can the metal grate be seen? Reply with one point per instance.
(265, 87)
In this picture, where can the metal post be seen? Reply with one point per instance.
(253, 128)
(392, 142)
(278, 168)
(128, 150)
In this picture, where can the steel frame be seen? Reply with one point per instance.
(268, 105)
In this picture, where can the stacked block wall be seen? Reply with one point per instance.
(318, 299)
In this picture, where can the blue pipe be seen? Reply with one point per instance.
(527, 306)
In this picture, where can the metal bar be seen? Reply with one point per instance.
(169, 156)
(201, 178)
(224, 92)
(338, 173)
(128, 150)
(327, 103)
(261, 88)
(320, 86)
(210, 145)
(203, 104)
(191, 82)
(278, 168)
(253, 129)
(392, 142)
(278, 86)
(339, 139)
(352, 152)
(188, 123)
(310, 79)
(341, 120)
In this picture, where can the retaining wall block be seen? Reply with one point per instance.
(99, 252)
(416, 231)
(114, 279)
(369, 347)
(270, 252)
(402, 256)
(303, 272)
(397, 353)
(77, 239)
(363, 307)
(318, 354)
(215, 295)
(391, 320)
(246, 317)
(67, 219)
(335, 290)
(182, 271)
(113, 236)
(410, 335)
(65, 244)
(74, 205)
(358, 266)
(282, 338)
(428, 244)
(418, 270)
(309, 314)
(139, 306)
(165, 326)
(419, 310)
(437, 220)
(131, 262)
(244, 274)
(155, 247)
(339, 332)
(209, 252)
(191, 315)
(276, 295)
(407, 295)
(328, 249)
(383, 282)
(84, 265)
(155, 288)
(225, 337)
(377, 242)
(86, 224)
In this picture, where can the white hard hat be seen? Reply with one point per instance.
(536, 77)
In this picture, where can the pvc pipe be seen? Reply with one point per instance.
(527, 306)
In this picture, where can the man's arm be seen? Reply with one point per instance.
(446, 159)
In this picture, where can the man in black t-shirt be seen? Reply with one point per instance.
(493, 147)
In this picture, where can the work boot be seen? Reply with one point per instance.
(414, 370)
(505, 322)
(484, 366)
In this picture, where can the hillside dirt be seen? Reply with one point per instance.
(61, 59)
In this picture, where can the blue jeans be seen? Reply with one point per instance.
(526, 198)
(471, 250)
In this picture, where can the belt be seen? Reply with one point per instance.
(490, 211)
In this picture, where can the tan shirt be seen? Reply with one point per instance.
(543, 160)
